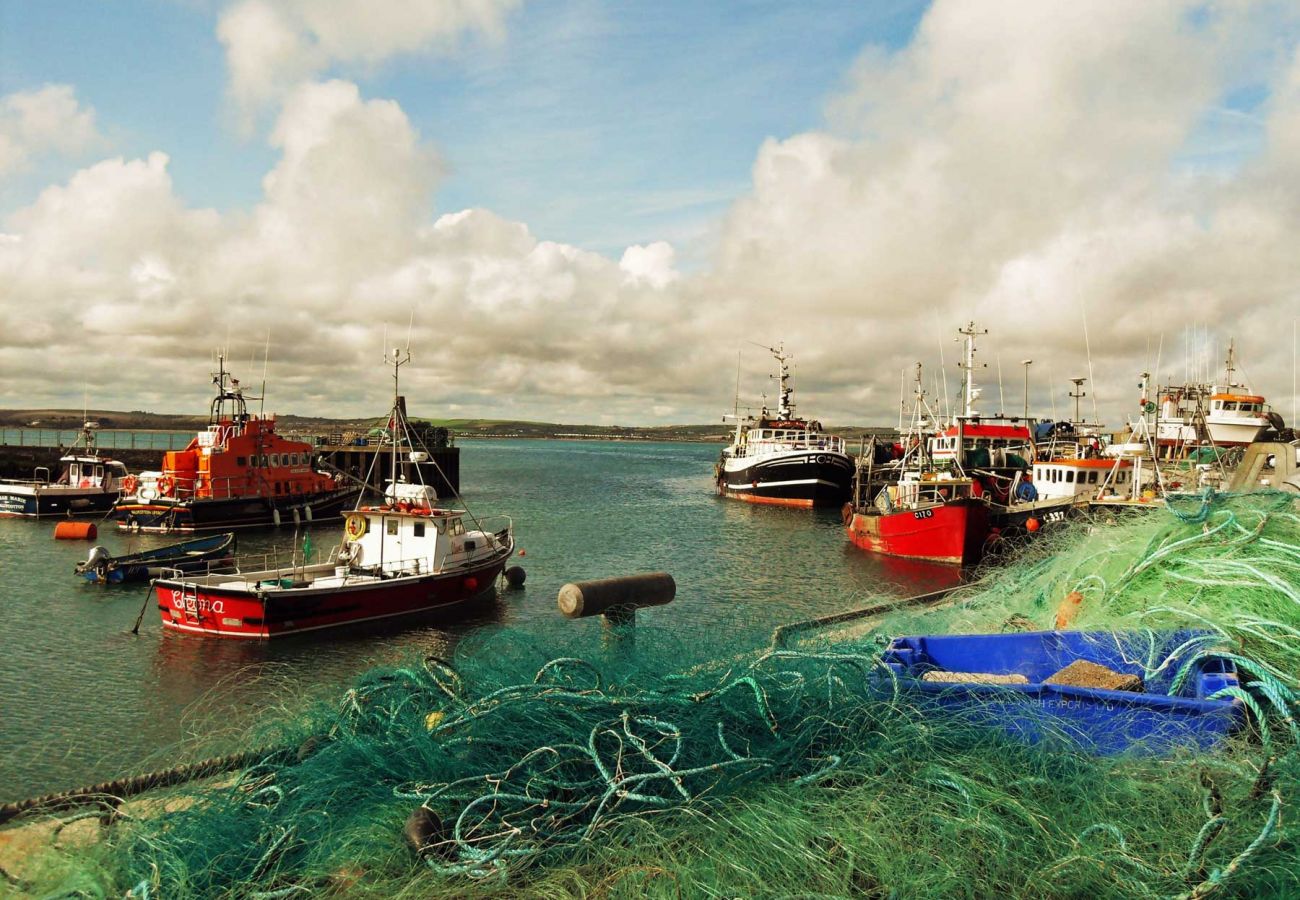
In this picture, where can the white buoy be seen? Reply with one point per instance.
(306, 511)
(295, 515)
(275, 516)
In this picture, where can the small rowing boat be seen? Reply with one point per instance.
(188, 556)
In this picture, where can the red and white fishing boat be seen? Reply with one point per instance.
(914, 507)
(923, 516)
(401, 556)
(960, 491)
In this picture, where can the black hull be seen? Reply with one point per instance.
(241, 512)
(794, 479)
(51, 501)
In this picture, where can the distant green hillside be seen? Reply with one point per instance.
(463, 428)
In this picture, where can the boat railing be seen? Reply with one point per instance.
(495, 524)
(813, 443)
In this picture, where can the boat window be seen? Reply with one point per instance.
(1230, 405)
(278, 486)
(241, 461)
(266, 461)
(1069, 477)
(418, 529)
(1092, 477)
(392, 526)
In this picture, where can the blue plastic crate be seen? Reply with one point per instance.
(1100, 721)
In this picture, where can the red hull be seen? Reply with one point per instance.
(953, 533)
(214, 612)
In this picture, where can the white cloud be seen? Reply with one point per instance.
(45, 121)
(652, 264)
(274, 45)
(1020, 169)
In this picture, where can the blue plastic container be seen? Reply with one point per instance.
(1100, 721)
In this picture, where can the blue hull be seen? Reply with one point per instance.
(1168, 713)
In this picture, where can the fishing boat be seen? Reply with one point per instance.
(198, 553)
(89, 483)
(402, 556)
(236, 473)
(782, 459)
(1194, 414)
(960, 490)
(1106, 693)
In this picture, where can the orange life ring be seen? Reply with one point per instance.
(129, 484)
(165, 485)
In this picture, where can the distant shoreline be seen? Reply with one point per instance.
(464, 429)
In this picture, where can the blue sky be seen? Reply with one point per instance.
(598, 124)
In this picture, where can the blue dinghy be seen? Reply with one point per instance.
(1016, 682)
(199, 554)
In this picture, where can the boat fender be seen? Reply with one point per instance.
(515, 576)
(75, 531)
(275, 516)
(306, 511)
(296, 515)
(846, 513)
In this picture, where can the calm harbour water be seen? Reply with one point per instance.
(84, 700)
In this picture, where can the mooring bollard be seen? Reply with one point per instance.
(617, 600)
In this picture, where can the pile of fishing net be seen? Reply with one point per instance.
(796, 769)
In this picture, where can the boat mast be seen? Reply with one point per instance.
(785, 408)
(393, 421)
(970, 393)
(1228, 364)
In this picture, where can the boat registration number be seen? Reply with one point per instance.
(923, 514)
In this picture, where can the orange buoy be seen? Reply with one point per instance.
(75, 531)
(522, 553)
(1032, 524)
(1068, 609)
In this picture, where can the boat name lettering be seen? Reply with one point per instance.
(1076, 704)
(197, 604)
(923, 514)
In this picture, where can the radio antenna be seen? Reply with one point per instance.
(266, 354)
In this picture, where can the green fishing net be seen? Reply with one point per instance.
(689, 766)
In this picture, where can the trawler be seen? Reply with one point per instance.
(782, 459)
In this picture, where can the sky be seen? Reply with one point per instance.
(602, 212)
